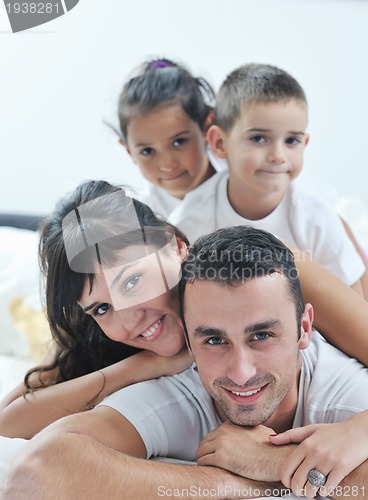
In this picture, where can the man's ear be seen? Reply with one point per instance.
(306, 327)
(186, 340)
(216, 139)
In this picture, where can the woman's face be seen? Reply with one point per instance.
(136, 300)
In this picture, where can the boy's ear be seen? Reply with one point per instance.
(216, 139)
(307, 137)
(306, 327)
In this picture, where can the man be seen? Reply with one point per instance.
(249, 333)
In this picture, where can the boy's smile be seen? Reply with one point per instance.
(264, 150)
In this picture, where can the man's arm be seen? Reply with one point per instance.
(99, 454)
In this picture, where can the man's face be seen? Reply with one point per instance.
(244, 340)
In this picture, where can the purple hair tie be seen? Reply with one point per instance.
(159, 64)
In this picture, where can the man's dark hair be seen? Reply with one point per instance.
(233, 255)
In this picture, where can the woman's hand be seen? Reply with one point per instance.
(323, 447)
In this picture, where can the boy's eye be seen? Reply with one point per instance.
(215, 341)
(131, 282)
(147, 151)
(259, 139)
(180, 141)
(292, 141)
(101, 309)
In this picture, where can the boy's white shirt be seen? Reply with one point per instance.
(305, 218)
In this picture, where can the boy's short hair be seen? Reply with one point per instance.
(253, 83)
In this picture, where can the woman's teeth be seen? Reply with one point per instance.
(151, 330)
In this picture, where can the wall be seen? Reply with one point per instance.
(59, 80)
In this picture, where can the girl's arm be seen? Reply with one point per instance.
(24, 416)
(340, 314)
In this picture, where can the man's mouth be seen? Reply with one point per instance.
(247, 393)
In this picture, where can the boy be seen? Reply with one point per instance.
(260, 129)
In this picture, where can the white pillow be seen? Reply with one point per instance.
(19, 277)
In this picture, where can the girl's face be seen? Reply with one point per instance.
(170, 149)
(136, 301)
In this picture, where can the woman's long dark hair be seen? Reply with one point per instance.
(81, 347)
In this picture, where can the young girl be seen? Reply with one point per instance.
(164, 113)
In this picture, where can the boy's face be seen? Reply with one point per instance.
(265, 147)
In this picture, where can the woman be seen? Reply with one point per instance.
(112, 267)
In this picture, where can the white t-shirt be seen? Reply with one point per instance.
(171, 207)
(302, 219)
(172, 414)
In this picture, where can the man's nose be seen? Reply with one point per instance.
(241, 366)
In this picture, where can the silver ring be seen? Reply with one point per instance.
(316, 478)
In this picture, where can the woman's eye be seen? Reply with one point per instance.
(259, 139)
(101, 309)
(147, 151)
(180, 141)
(215, 341)
(131, 282)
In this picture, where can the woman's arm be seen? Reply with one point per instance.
(25, 416)
(340, 314)
(362, 285)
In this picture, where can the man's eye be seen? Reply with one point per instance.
(131, 282)
(147, 151)
(101, 309)
(180, 141)
(215, 341)
(259, 139)
(261, 336)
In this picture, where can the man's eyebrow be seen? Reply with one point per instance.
(263, 325)
(202, 331)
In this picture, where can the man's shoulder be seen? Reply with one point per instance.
(332, 384)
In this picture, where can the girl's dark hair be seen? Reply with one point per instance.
(81, 346)
(160, 82)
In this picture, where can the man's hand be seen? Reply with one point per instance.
(246, 451)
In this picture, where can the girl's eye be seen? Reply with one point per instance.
(258, 139)
(147, 151)
(101, 309)
(180, 141)
(215, 341)
(293, 141)
(131, 282)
